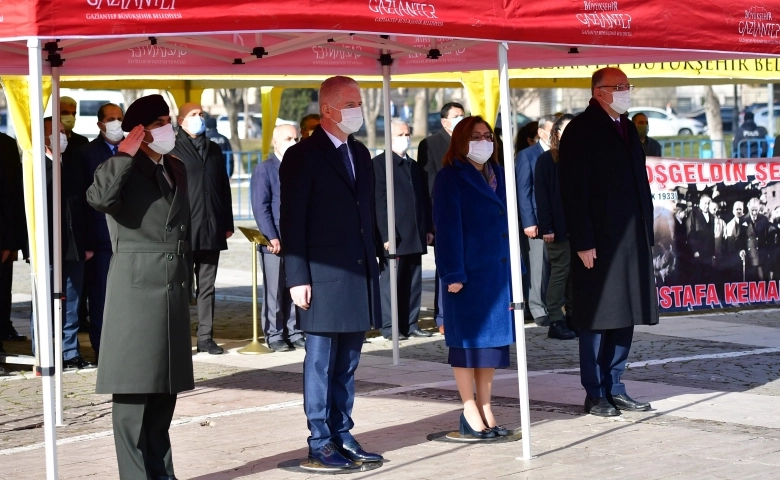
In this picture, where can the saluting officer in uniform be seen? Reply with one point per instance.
(146, 352)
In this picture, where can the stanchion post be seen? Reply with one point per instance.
(255, 347)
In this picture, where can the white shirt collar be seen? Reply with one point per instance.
(336, 142)
(544, 145)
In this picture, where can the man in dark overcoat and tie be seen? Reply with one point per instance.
(146, 350)
(609, 214)
(330, 252)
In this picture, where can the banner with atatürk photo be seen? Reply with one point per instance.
(717, 232)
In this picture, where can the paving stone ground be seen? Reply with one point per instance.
(713, 379)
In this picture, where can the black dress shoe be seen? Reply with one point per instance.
(76, 363)
(328, 456)
(542, 321)
(600, 407)
(300, 343)
(13, 336)
(355, 452)
(420, 333)
(211, 347)
(624, 402)
(280, 346)
(401, 336)
(559, 331)
(467, 431)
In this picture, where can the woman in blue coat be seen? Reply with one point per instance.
(472, 256)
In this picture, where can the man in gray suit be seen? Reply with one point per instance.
(146, 351)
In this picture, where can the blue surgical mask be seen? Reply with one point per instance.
(195, 125)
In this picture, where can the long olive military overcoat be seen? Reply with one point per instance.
(145, 344)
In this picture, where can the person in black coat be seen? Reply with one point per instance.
(280, 324)
(13, 230)
(651, 147)
(103, 147)
(224, 144)
(551, 225)
(609, 216)
(752, 243)
(331, 247)
(68, 118)
(750, 139)
(211, 207)
(430, 153)
(76, 247)
(413, 232)
(701, 240)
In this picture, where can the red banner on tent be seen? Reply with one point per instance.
(724, 25)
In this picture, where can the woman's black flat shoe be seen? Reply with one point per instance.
(466, 430)
(500, 431)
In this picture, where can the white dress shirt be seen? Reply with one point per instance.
(337, 143)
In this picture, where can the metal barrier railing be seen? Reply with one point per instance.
(706, 148)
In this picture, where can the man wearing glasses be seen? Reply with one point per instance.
(609, 214)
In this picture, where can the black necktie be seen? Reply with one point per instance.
(344, 150)
(620, 129)
(165, 187)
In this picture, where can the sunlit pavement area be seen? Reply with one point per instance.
(712, 380)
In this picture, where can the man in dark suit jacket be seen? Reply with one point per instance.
(146, 357)
(68, 118)
(609, 217)
(13, 230)
(753, 241)
(280, 324)
(651, 147)
(330, 259)
(430, 153)
(701, 240)
(211, 205)
(413, 232)
(75, 247)
(103, 147)
(534, 253)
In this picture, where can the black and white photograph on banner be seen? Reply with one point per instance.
(717, 232)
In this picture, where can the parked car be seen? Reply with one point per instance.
(255, 126)
(762, 116)
(665, 124)
(726, 116)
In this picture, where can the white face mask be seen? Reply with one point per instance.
(351, 120)
(63, 140)
(480, 151)
(401, 144)
(621, 101)
(114, 131)
(283, 146)
(163, 139)
(455, 121)
(195, 125)
(68, 121)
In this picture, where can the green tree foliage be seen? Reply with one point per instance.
(295, 102)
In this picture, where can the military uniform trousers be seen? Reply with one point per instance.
(141, 423)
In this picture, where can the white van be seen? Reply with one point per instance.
(87, 104)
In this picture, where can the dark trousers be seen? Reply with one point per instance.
(141, 423)
(603, 355)
(539, 276)
(6, 282)
(204, 264)
(329, 385)
(559, 287)
(409, 269)
(278, 314)
(96, 278)
(73, 280)
(438, 300)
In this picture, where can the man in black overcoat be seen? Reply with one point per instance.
(609, 212)
(430, 153)
(753, 243)
(103, 147)
(13, 230)
(413, 232)
(211, 207)
(330, 238)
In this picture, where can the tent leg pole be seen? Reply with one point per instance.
(392, 262)
(514, 248)
(56, 240)
(41, 261)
